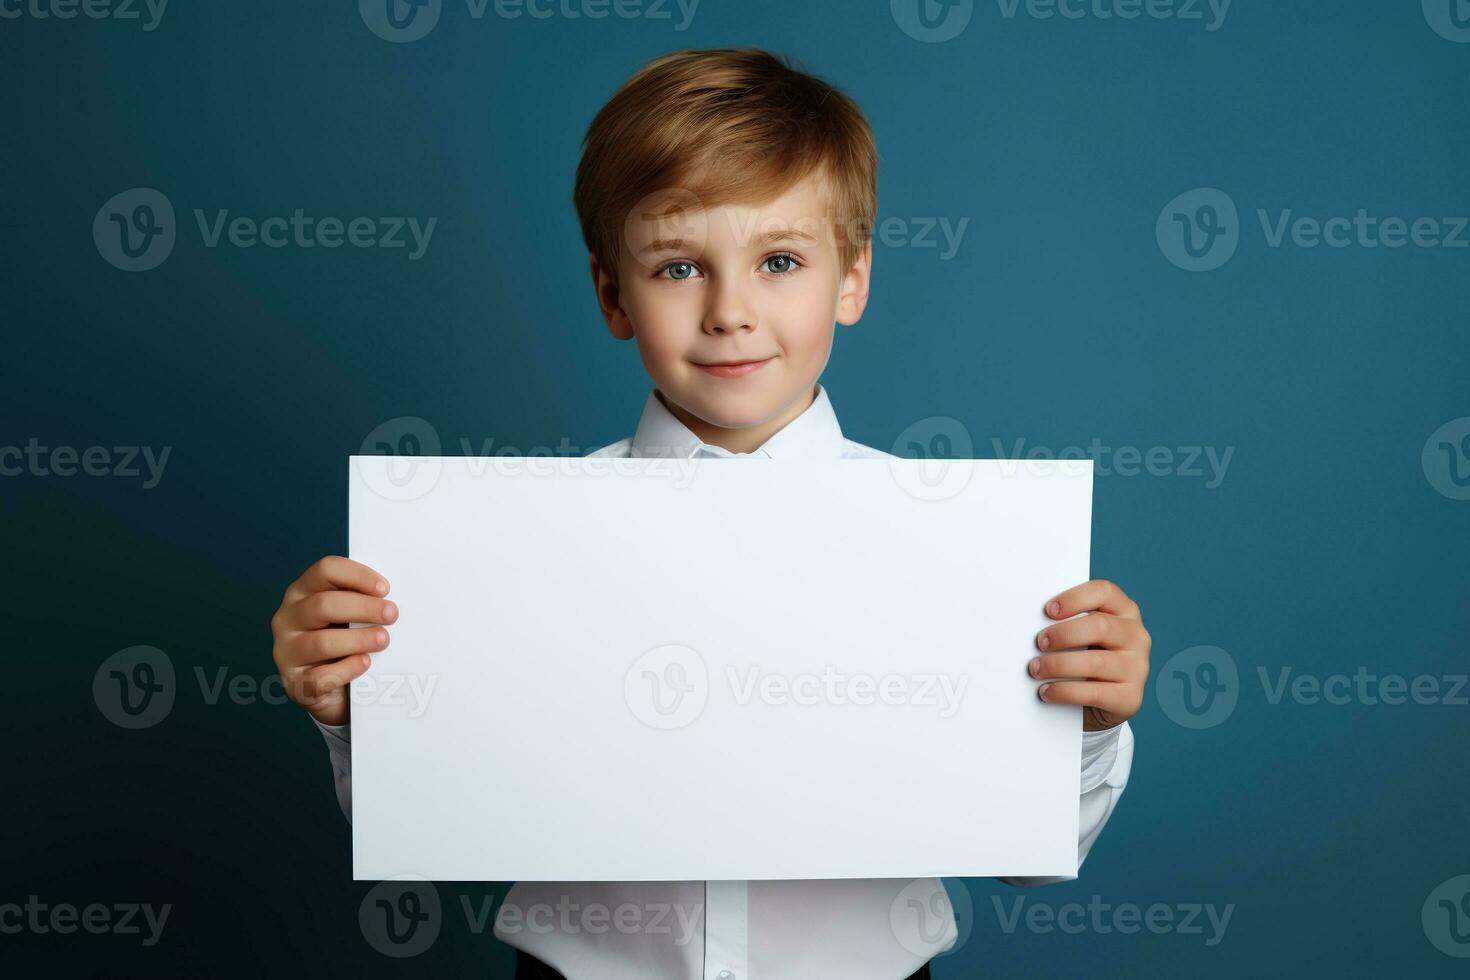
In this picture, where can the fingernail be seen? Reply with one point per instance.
(382, 587)
(1041, 691)
(1034, 667)
(1043, 640)
(1053, 608)
(390, 612)
(382, 639)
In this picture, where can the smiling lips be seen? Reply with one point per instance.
(734, 369)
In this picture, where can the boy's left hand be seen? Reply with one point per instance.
(1104, 654)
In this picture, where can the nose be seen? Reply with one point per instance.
(730, 310)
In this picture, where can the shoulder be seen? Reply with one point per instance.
(617, 450)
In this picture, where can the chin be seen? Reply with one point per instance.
(733, 418)
(732, 413)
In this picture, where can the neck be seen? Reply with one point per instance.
(742, 440)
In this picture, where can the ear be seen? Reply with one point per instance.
(853, 298)
(607, 301)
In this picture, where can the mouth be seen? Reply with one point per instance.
(734, 369)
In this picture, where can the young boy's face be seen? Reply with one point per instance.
(761, 285)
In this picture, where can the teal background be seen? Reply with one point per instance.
(1059, 320)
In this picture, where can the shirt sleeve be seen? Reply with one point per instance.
(339, 750)
(1107, 759)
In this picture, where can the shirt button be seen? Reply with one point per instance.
(726, 975)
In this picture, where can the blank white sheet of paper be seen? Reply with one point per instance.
(624, 670)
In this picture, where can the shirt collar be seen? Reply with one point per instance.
(814, 433)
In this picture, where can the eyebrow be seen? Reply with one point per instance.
(769, 238)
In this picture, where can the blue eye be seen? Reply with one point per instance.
(789, 266)
(784, 265)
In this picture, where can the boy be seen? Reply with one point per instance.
(726, 201)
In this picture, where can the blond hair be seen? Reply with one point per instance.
(727, 125)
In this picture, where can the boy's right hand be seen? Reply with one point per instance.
(314, 654)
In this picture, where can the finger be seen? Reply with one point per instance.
(323, 646)
(1093, 665)
(1121, 699)
(1094, 630)
(336, 572)
(1099, 594)
(327, 608)
(330, 680)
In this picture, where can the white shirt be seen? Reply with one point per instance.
(757, 930)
